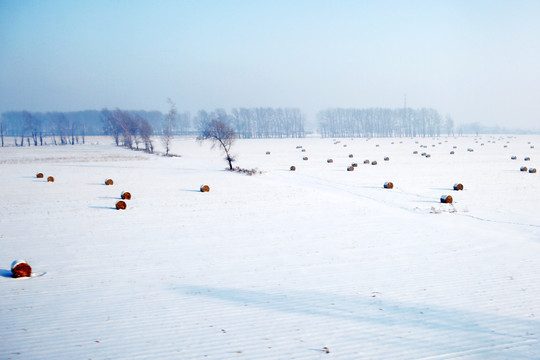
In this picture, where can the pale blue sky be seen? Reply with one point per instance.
(475, 60)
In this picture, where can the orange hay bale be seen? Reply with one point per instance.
(388, 185)
(39, 175)
(125, 195)
(305, 158)
(354, 165)
(458, 187)
(527, 159)
(109, 182)
(428, 155)
(446, 199)
(523, 168)
(532, 170)
(268, 153)
(330, 161)
(366, 161)
(373, 162)
(205, 188)
(19, 268)
(50, 179)
(293, 168)
(387, 159)
(350, 168)
(121, 205)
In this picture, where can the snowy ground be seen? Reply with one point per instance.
(278, 265)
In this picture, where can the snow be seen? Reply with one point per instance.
(277, 265)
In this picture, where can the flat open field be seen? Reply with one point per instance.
(317, 263)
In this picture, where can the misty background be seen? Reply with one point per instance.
(475, 62)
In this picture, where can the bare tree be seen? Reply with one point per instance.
(169, 126)
(220, 134)
(146, 131)
(2, 130)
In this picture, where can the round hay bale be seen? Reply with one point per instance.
(388, 185)
(109, 182)
(39, 175)
(330, 161)
(514, 158)
(351, 155)
(458, 187)
(423, 154)
(354, 165)
(387, 159)
(415, 152)
(350, 168)
(527, 159)
(532, 170)
(293, 168)
(121, 205)
(374, 162)
(366, 161)
(299, 147)
(268, 153)
(523, 168)
(205, 188)
(452, 153)
(428, 155)
(446, 199)
(50, 179)
(20, 268)
(303, 150)
(125, 195)
(305, 158)
(532, 146)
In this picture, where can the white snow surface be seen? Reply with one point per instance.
(278, 265)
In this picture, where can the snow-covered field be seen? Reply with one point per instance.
(281, 265)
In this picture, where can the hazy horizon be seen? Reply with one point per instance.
(477, 62)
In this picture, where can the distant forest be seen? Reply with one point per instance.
(31, 128)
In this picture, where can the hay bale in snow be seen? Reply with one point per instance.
(415, 152)
(388, 185)
(305, 158)
(527, 159)
(428, 155)
(366, 161)
(121, 205)
(50, 179)
(514, 158)
(458, 187)
(268, 153)
(293, 168)
(330, 161)
(125, 195)
(387, 159)
(532, 170)
(299, 147)
(523, 168)
(303, 150)
(446, 199)
(39, 175)
(109, 182)
(205, 188)
(452, 153)
(374, 162)
(351, 155)
(354, 164)
(350, 168)
(20, 268)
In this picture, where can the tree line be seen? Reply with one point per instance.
(382, 122)
(257, 123)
